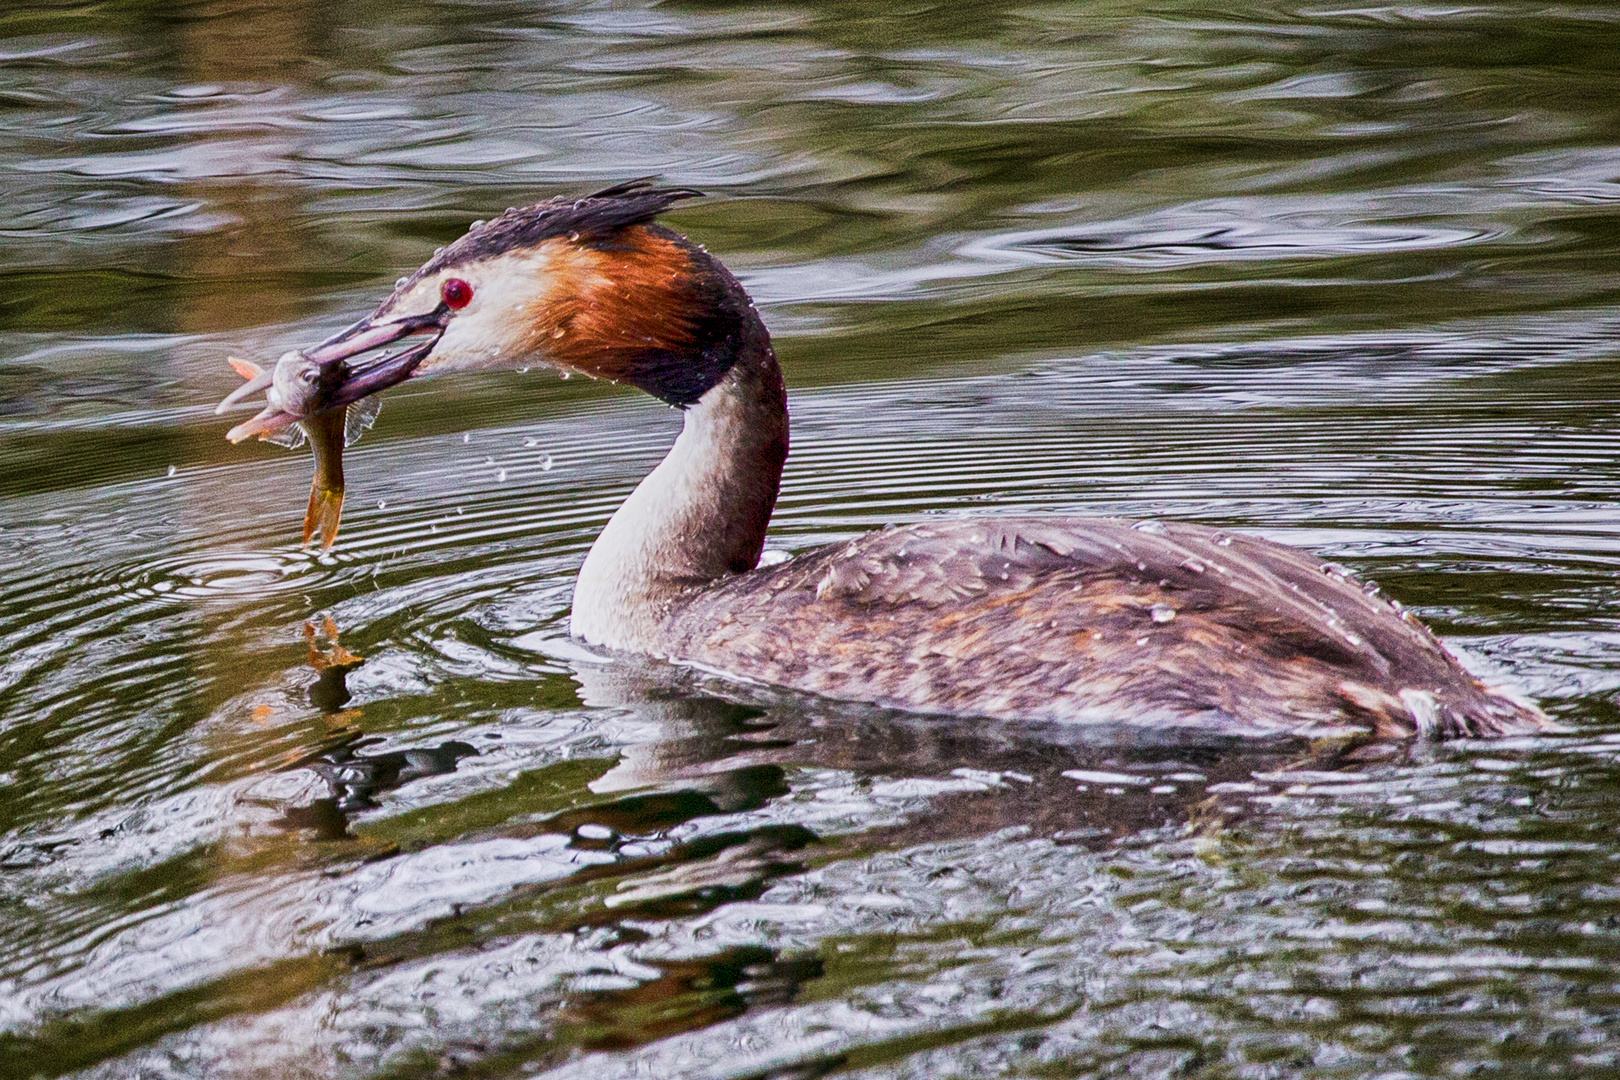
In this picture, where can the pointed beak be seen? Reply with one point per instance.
(366, 377)
(343, 380)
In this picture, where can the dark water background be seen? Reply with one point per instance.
(1344, 275)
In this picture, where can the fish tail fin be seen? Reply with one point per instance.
(245, 368)
(324, 513)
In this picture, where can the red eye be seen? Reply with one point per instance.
(457, 293)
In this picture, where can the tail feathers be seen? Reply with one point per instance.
(1457, 711)
(1486, 713)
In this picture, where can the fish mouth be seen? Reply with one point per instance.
(341, 380)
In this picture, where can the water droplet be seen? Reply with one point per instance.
(479, 224)
(524, 370)
(557, 333)
(460, 511)
(573, 238)
(382, 504)
(489, 461)
(1222, 540)
(173, 469)
(1197, 566)
(565, 376)
(1141, 641)
(1152, 528)
(531, 443)
(1333, 569)
(1162, 613)
(438, 251)
(500, 477)
(466, 438)
(546, 463)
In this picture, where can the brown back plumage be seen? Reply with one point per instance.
(1095, 620)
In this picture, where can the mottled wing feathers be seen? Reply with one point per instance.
(1065, 619)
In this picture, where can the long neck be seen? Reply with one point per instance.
(700, 515)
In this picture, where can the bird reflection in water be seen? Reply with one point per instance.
(1089, 786)
(353, 778)
(688, 748)
(332, 664)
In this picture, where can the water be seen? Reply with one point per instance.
(1342, 276)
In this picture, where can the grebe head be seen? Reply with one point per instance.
(587, 285)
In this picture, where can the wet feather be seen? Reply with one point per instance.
(1070, 620)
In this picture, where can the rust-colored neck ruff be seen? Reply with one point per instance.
(700, 515)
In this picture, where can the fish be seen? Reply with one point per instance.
(298, 391)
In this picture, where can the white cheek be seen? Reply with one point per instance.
(477, 341)
(496, 329)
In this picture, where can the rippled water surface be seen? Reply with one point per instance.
(1346, 276)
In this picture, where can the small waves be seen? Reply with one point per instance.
(1341, 277)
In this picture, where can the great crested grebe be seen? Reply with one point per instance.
(1053, 619)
